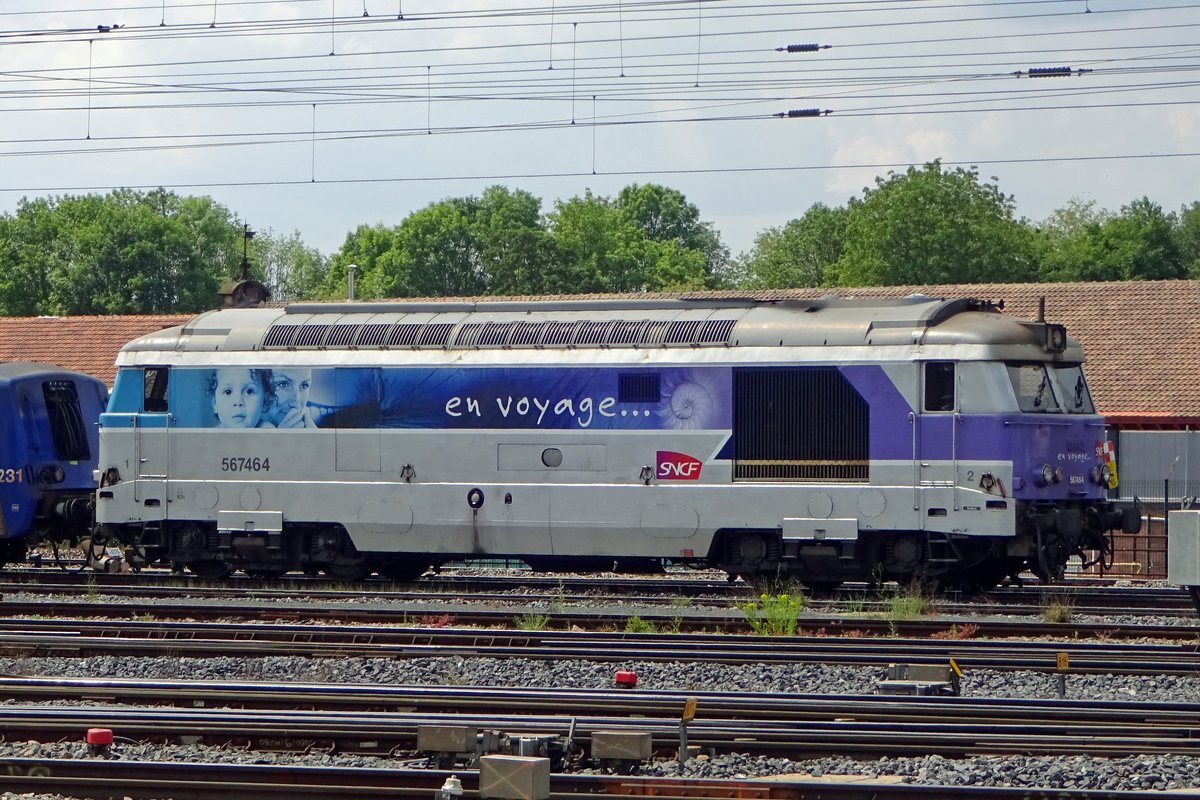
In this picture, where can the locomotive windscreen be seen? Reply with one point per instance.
(66, 421)
(799, 424)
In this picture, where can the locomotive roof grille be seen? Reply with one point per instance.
(559, 333)
(594, 333)
(404, 335)
(311, 335)
(528, 333)
(551, 333)
(469, 334)
(372, 335)
(341, 335)
(495, 334)
(280, 336)
(435, 334)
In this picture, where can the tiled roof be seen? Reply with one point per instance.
(84, 344)
(1142, 338)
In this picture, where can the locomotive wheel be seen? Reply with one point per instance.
(821, 587)
(403, 570)
(211, 570)
(347, 571)
(265, 574)
(982, 576)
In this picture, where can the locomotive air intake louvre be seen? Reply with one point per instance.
(799, 424)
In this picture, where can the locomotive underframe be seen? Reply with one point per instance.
(1047, 536)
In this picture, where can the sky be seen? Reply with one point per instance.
(318, 116)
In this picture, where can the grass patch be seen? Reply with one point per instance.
(532, 622)
(636, 624)
(912, 601)
(1058, 609)
(775, 614)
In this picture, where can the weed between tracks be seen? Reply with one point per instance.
(957, 632)
(532, 622)
(1058, 609)
(775, 614)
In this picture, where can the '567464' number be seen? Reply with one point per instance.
(245, 464)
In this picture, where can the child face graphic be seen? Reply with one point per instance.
(238, 399)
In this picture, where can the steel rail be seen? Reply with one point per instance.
(682, 618)
(107, 780)
(389, 733)
(429, 699)
(1173, 604)
(321, 635)
(1082, 598)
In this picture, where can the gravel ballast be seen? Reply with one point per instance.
(1136, 772)
(579, 674)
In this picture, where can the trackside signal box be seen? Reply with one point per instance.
(1183, 548)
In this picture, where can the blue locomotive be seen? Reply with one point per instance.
(49, 449)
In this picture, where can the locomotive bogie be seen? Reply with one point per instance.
(827, 440)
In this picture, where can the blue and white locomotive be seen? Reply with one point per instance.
(826, 439)
(48, 447)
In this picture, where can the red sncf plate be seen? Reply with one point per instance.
(674, 466)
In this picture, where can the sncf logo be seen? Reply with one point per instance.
(677, 466)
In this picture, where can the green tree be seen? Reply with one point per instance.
(29, 255)
(136, 253)
(1139, 243)
(664, 215)
(124, 252)
(290, 269)
(601, 248)
(492, 244)
(797, 253)
(372, 250)
(439, 254)
(1187, 238)
(515, 247)
(928, 225)
(1068, 240)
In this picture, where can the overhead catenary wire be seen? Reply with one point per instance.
(507, 176)
(494, 84)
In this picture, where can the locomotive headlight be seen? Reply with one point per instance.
(51, 473)
(1059, 475)
(1047, 475)
(1105, 475)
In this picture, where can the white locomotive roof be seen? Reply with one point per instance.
(651, 324)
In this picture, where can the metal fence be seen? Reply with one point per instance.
(1158, 471)
(1144, 555)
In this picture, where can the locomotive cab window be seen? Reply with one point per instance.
(154, 398)
(939, 386)
(1076, 398)
(1036, 390)
(66, 421)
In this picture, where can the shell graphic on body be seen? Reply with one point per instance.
(689, 405)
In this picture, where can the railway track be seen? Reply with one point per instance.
(616, 615)
(394, 734)
(107, 780)
(639, 706)
(1021, 601)
(81, 638)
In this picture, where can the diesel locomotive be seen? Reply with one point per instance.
(822, 439)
